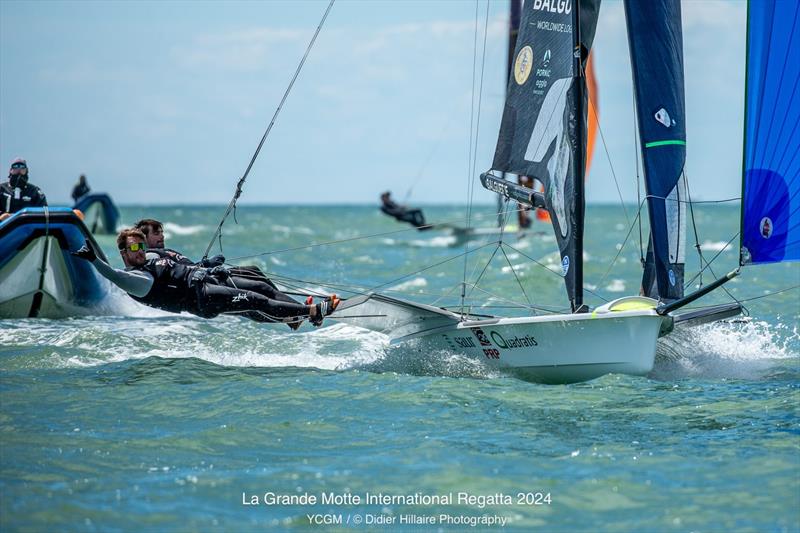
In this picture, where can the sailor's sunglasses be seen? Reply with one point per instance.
(18, 169)
(135, 247)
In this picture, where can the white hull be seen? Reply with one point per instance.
(555, 349)
(619, 337)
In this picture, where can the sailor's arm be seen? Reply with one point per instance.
(135, 282)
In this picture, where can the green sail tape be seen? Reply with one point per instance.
(664, 143)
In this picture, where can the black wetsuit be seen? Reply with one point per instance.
(13, 199)
(184, 287)
(172, 288)
(169, 253)
(403, 214)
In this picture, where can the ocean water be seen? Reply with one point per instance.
(131, 418)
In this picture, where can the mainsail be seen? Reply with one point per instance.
(543, 132)
(656, 47)
(770, 229)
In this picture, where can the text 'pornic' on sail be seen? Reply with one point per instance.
(657, 62)
(543, 131)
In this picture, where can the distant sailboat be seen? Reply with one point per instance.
(101, 216)
(462, 234)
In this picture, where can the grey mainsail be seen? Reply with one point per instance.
(543, 132)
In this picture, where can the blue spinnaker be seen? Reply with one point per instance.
(771, 187)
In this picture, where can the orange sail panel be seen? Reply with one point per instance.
(594, 111)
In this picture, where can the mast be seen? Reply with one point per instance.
(581, 107)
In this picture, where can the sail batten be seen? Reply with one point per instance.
(656, 47)
(770, 229)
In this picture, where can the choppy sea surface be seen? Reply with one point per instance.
(131, 418)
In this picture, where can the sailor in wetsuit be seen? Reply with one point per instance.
(81, 188)
(175, 287)
(402, 213)
(17, 193)
(240, 277)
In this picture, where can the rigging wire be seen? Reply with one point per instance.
(473, 141)
(447, 224)
(240, 183)
(636, 157)
(593, 107)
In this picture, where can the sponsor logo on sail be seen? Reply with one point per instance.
(565, 265)
(543, 72)
(766, 227)
(522, 65)
(663, 117)
(672, 277)
(482, 338)
(526, 341)
(553, 6)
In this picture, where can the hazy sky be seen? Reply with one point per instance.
(165, 102)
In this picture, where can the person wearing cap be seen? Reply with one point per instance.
(81, 188)
(17, 193)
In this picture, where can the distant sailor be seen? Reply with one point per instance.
(402, 213)
(81, 188)
(205, 292)
(17, 193)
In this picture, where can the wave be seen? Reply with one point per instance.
(717, 246)
(171, 228)
(736, 349)
(416, 283)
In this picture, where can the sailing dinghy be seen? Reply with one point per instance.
(543, 135)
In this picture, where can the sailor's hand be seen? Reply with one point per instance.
(85, 252)
(217, 260)
(4, 216)
(220, 272)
